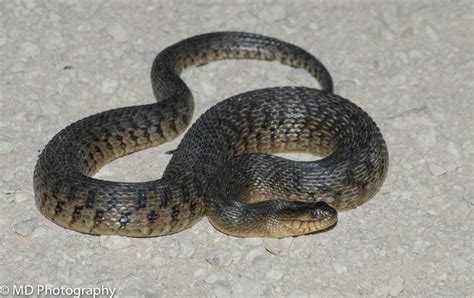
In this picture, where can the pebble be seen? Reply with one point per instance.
(436, 170)
(428, 139)
(208, 88)
(159, 260)
(218, 257)
(28, 51)
(22, 196)
(115, 242)
(275, 273)
(186, 247)
(256, 253)
(391, 17)
(431, 33)
(8, 175)
(347, 88)
(17, 67)
(29, 4)
(339, 268)
(26, 227)
(108, 86)
(382, 290)
(396, 285)
(468, 147)
(453, 150)
(212, 278)
(460, 263)
(415, 54)
(221, 289)
(3, 38)
(246, 287)
(6, 195)
(41, 232)
(272, 13)
(298, 293)
(117, 32)
(6, 148)
(399, 79)
(277, 246)
(421, 246)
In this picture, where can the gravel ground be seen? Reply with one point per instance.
(409, 64)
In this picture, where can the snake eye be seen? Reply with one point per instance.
(321, 211)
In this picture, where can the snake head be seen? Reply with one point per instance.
(300, 218)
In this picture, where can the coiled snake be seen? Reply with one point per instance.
(222, 167)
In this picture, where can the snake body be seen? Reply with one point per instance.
(222, 168)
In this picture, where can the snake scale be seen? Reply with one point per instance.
(223, 167)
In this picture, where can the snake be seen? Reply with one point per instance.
(225, 167)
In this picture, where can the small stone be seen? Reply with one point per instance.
(117, 32)
(396, 285)
(277, 246)
(398, 79)
(256, 253)
(459, 263)
(186, 247)
(199, 272)
(431, 33)
(360, 213)
(159, 260)
(421, 246)
(428, 139)
(386, 34)
(347, 88)
(382, 290)
(436, 170)
(415, 54)
(273, 13)
(8, 175)
(28, 50)
(22, 196)
(3, 38)
(339, 268)
(468, 147)
(452, 149)
(218, 257)
(26, 227)
(68, 259)
(6, 147)
(17, 67)
(211, 279)
(314, 26)
(405, 195)
(298, 293)
(275, 273)
(6, 195)
(391, 17)
(209, 88)
(29, 4)
(108, 86)
(115, 242)
(221, 289)
(41, 232)
(244, 287)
